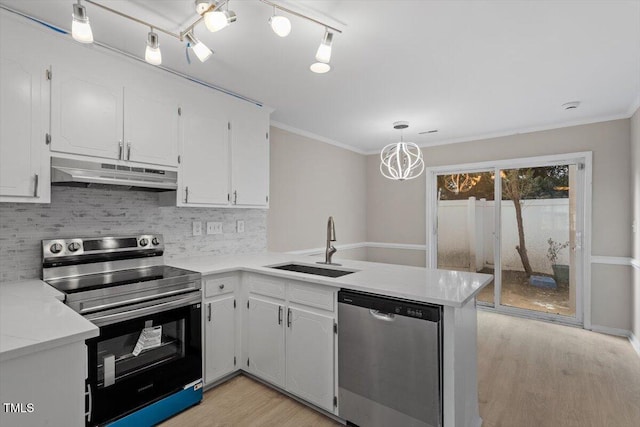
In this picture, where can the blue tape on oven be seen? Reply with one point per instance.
(162, 409)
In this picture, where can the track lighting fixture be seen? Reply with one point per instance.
(216, 16)
(200, 49)
(280, 24)
(216, 20)
(323, 54)
(152, 54)
(80, 27)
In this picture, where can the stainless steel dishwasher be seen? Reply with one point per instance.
(389, 361)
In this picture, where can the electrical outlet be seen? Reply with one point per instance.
(197, 228)
(240, 226)
(214, 227)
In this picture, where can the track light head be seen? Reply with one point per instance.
(200, 49)
(280, 25)
(216, 20)
(324, 50)
(202, 6)
(152, 54)
(80, 27)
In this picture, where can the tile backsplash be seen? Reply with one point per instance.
(83, 212)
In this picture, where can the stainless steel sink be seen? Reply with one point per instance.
(309, 269)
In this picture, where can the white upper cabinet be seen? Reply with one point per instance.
(86, 113)
(204, 154)
(250, 156)
(150, 127)
(96, 114)
(24, 174)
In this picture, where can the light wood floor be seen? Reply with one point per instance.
(529, 374)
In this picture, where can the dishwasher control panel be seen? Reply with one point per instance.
(387, 305)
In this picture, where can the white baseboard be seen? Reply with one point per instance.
(635, 343)
(612, 260)
(611, 331)
(635, 263)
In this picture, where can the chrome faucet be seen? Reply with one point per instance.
(331, 237)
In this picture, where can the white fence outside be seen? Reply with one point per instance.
(466, 238)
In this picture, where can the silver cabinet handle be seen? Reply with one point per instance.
(279, 315)
(35, 186)
(209, 312)
(186, 194)
(235, 197)
(120, 149)
(221, 286)
(129, 150)
(387, 317)
(288, 317)
(90, 409)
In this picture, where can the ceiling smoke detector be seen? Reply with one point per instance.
(571, 105)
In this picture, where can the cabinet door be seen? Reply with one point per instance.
(310, 357)
(204, 166)
(250, 157)
(21, 130)
(220, 338)
(266, 340)
(86, 114)
(150, 127)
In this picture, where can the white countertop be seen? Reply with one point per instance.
(443, 287)
(33, 318)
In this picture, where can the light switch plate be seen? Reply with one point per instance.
(240, 226)
(214, 227)
(197, 228)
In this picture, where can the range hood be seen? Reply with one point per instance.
(99, 174)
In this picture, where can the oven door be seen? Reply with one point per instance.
(122, 382)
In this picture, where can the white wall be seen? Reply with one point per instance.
(310, 181)
(635, 188)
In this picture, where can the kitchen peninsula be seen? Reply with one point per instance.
(256, 285)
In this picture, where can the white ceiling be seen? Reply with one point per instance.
(467, 68)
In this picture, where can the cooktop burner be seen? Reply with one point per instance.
(89, 282)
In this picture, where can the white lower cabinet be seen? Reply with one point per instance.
(220, 342)
(220, 326)
(291, 342)
(310, 356)
(265, 329)
(286, 330)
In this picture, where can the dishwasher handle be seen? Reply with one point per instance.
(387, 317)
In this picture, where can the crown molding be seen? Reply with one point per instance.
(635, 105)
(315, 136)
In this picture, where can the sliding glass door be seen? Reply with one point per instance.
(525, 228)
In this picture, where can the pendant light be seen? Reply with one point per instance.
(80, 27)
(402, 160)
(152, 54)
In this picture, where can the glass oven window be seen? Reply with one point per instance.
(116, 360)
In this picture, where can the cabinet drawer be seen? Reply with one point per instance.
(219, 285)
(265, 285)
(312, 295)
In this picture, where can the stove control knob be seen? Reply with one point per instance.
(74, 246)
(56, 248)
(155, 241)
(144, 242)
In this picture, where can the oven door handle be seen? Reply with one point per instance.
(128, 313)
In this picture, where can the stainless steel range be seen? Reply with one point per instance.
(146, 365)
